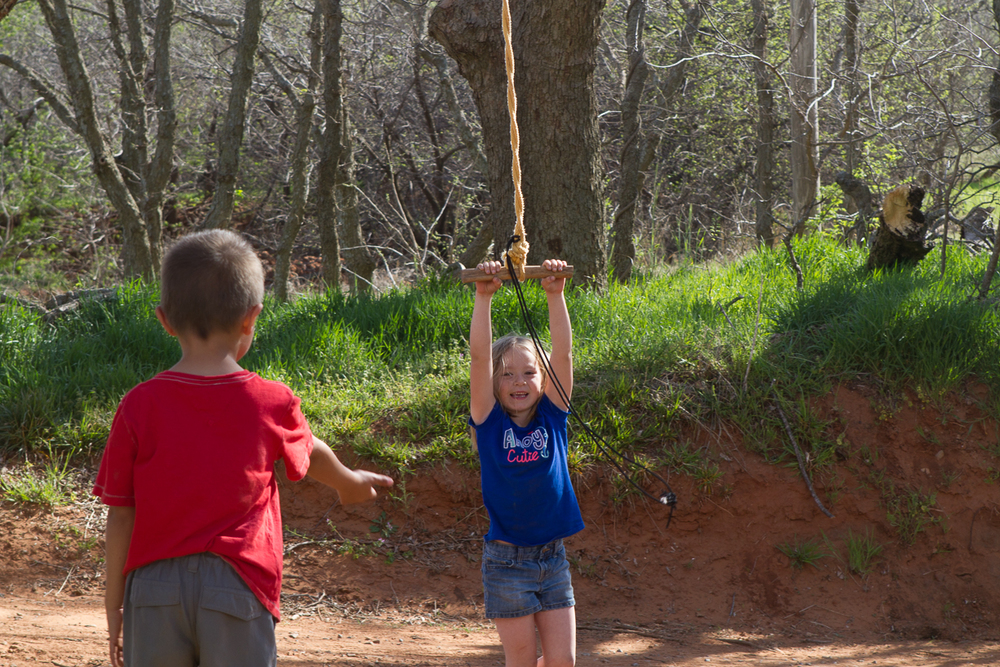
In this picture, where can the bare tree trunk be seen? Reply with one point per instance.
(160, 168)
(804, 153)
(330, 149)
(357, 259)
(136, 256)
(131, 69)
(147, 180)
(764, 227)
(298, 171)
(623, 247)
(555, 49)
(220, 214)
(852, 13)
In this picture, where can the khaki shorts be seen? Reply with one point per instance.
(195, 611)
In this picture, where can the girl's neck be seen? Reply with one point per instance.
(524, 418)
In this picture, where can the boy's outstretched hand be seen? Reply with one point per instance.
(353, 486)
(363, 487)
(551, 284)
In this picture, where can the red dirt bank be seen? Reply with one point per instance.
(714, 586)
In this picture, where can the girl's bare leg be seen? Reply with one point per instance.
(557, 630)
(518, 638)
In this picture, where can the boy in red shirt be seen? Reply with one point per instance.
(194, 537)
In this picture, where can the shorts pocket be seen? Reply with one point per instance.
(239, 604)
(147, 593)
(491, 563)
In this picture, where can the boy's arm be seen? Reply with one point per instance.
(561, 333)
(480, 342)
(353, 486)
(117, 536)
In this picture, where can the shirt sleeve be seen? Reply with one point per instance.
(298, 441)
(114, 485)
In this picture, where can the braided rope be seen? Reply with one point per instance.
(518, 251)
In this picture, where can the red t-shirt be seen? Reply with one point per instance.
(195, 456)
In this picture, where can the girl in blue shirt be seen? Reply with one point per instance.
(520, 429)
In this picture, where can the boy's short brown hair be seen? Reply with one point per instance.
(208, 282)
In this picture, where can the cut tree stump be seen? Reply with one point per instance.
(900, 237)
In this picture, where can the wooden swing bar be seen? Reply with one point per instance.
(475, 275)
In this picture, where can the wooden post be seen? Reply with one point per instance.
(475, 275)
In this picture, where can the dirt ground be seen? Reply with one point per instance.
(397, 582)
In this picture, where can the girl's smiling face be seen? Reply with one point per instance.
(520, 384)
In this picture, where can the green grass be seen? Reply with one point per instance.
(802, 553)
(862, 550)
(48, 484)
(387, 377)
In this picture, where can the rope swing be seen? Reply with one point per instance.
(517, 250)
(516, 271)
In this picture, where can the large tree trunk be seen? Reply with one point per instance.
(329, 161)
(555, 50)
(136, 256)
(220, 214)
(630, 189)
(804, 154)
(764, 181)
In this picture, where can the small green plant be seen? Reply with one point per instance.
(862, 550)
(804, 553)
(949, 477)
(909, 513)
(382, 526)
(400, 495)
(705, 476)
(585, 570)
(48, 485)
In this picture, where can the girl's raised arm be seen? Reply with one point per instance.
(480, 340)
(561, 332)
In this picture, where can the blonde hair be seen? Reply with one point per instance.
(501, 347)
(208, 282)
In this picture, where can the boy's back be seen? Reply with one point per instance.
(195, 456)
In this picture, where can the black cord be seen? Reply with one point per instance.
(667, 496)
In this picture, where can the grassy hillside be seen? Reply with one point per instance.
(386, 376)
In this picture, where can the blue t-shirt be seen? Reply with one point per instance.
(526, 485)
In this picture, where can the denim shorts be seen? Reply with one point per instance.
(521, 581)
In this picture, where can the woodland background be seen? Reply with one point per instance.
(370, 135)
